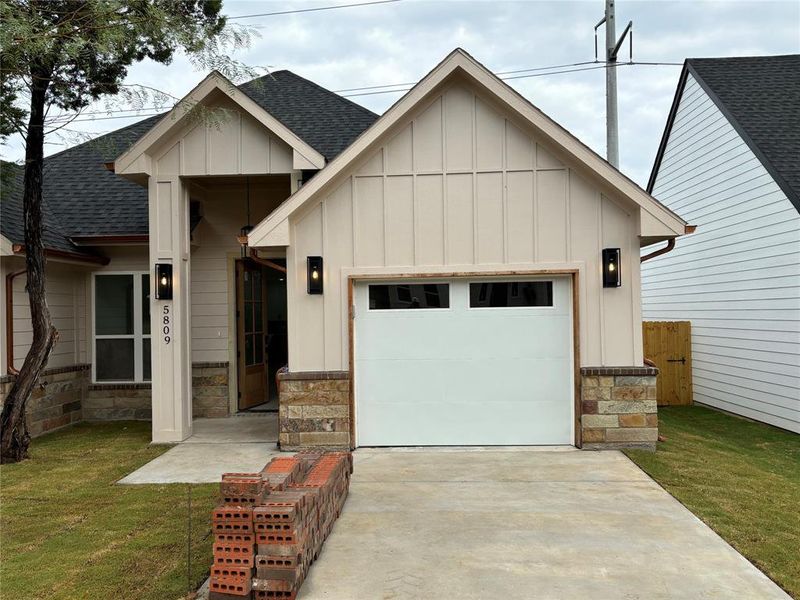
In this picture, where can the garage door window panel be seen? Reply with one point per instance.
(409, 296)
(510, 294)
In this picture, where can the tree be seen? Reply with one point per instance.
(67, 54)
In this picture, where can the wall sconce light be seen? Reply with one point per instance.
(314, 268)
(163, 281)
(611, 268)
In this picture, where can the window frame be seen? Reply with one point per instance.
(406, 310)
(137, 336)
(511, 280)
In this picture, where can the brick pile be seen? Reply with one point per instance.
(270, 526)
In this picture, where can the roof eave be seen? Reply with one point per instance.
(66, 256)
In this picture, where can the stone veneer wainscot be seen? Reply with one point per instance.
(133, 401)
(57, 400)
(314, 409)
(618, 408)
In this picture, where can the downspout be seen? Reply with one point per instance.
(10, 321)
(670, 245)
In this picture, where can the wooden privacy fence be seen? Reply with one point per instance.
(669, 345)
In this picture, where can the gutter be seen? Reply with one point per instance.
(110, 240)
(19, 249)
(669, 247)
(10, 321)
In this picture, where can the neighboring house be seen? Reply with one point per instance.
(435, 280)
(729, 162)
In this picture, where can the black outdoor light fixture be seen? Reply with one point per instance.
(611, 274)
(314, 268)
(163, 281)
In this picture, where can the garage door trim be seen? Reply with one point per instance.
(354, 277)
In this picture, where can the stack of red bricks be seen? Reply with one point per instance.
(270, 526)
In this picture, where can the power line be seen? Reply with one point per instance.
(375, 87)
(404, 87)
(319, 8)
(599, 66)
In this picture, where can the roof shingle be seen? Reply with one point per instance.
(760, 95)
(86, 199)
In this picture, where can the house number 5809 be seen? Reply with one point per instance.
(166, 324)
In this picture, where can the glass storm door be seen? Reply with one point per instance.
(251, 327)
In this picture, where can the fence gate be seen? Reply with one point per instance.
(669, 345)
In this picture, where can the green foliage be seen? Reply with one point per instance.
(82, 49)
(741, 478)
(69, 532)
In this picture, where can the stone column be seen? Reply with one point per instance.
(170, 319)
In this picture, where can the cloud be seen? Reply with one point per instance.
(401, 42)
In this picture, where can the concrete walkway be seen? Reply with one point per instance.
(240, 443)
(520, 525)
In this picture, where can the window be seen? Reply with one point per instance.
(122, 327)
(409, 296)
(505, 294)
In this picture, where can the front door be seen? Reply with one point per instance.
(251, 325)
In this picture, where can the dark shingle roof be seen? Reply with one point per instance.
(324, 120)
(11, 224)
(760, 95)
(86, 199)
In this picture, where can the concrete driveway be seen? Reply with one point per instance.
(507, 524)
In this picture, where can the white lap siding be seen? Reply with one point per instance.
(737, 279)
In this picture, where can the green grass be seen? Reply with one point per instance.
(741, 478)
(68, 532)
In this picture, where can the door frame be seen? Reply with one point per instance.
(233, 335)
(241, 367)
(359, 277)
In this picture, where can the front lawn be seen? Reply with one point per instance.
(68, 532)
(741, 478)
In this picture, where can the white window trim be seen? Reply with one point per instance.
(138, 336)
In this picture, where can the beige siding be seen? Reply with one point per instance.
(503, 200)
(230, 143)
(67, 300)
(214, 249)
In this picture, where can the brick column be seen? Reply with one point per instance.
(618, 408)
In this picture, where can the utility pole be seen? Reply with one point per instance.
(612, 50)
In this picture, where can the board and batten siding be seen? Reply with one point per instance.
(737, 278)
(459, 186)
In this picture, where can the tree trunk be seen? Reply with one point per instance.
(14, 436)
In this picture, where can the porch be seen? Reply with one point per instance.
(242, 442)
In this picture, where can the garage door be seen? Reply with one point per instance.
(463, 362)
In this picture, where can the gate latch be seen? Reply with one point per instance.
(681, 360)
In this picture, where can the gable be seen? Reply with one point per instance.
(461, 183)
(215, 91)
(758, 96)
(231, 143)
(469, 130)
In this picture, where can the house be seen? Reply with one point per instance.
(459, 271)
(729, 161)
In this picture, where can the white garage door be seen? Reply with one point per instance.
(464, 362)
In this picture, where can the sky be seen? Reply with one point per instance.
(400, 42)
